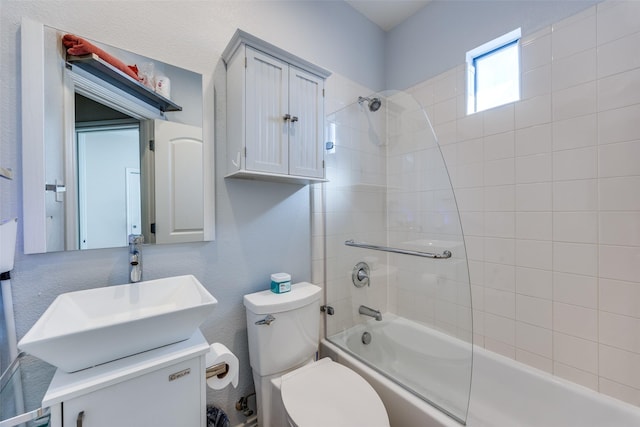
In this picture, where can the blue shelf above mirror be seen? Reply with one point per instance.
(94, 65)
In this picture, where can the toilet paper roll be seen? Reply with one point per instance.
(219, 353)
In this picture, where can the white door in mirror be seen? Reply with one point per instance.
(179, 178)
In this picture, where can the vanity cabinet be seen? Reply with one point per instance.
(275, 113)
(163, 387)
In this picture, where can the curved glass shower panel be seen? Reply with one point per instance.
(354, 208)
(390, 205)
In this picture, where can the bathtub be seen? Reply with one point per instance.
(504, 393)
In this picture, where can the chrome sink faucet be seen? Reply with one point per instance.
(135, 257)
(370, 312)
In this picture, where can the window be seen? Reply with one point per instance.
(493, 73)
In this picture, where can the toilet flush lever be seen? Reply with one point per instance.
(266, 321)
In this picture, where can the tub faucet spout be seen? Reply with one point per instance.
(370, 312)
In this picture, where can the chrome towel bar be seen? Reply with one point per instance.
(443, 255)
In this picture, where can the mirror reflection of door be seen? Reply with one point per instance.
(51, 111)
(108, 184)
(134, 206)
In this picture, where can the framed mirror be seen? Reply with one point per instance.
(106, 155)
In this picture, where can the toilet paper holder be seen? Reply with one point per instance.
(221, 367)
(218, 370)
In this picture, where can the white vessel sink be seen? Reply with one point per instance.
(87, 328)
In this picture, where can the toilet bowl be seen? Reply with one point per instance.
(327, 393)
(291, 387)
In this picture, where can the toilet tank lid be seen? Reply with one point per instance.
(267, 302)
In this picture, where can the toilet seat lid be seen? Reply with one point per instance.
(327, 393)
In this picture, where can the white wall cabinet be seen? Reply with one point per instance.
(163, 387)
(275, 113)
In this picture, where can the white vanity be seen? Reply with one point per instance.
(163, 387)
(127, 355)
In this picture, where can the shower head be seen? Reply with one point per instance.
(374, 103)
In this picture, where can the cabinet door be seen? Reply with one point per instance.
(153, 399)
(306, 101)
(266, 106)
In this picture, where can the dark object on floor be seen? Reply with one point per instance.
(216, 417)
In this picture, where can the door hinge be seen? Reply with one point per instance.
(152, 144)
(323, 93)
(245, 62)
(153, 228)
(323, 164)
(245, 151)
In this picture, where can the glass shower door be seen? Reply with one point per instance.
(391, 220)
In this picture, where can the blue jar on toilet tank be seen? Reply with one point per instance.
(280, 283)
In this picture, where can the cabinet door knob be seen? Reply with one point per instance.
(80, 419)
(294, 118)
(287, 117)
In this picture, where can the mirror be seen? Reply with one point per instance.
(109, 203)
(103, 155)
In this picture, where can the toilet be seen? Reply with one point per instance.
(292, 388)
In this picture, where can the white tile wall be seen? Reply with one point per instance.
(616, 20)
(536, 50)
(575, 132)
(619, 90)
(619, 125)
(574, 101)
(534, 282)
(619, 297)
(534, 254)
(534, 225)
(575, 34)
(534, 197)
(549, 194)
(548, 190)
(533, 140)
(351, 206)
(575, 289)
(620, 228)
(536, 82)
(613, 57)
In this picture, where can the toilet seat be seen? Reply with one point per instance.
(327, 393)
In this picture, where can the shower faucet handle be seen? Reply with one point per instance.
(294, 118)
(287, 117)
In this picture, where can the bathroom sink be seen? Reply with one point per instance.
(87, 328)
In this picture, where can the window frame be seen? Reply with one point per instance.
(504, 41)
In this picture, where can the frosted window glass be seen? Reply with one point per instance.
(493, 73)
(497, 77)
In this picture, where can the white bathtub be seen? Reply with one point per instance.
(504, 393)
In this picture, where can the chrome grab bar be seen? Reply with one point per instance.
(443, 255)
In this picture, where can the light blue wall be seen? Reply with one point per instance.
(438, 36)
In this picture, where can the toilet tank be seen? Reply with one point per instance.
(292, 337)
